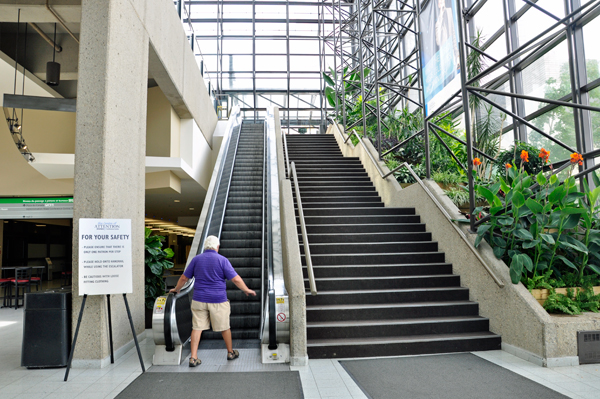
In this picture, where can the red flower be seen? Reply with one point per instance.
(507, 166)
(576, 158)
(545, 155)
(524, 156)
(476, 162)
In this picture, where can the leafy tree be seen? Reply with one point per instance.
(559, 122)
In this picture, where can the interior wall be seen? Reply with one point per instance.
(19, 178)
(49, 131)
(163, 125)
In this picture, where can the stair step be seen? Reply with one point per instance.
(395, 327)
(384, 282)
(370, 248)
(388, 295)
(363, 228)
(360, 219)
(400, 346)
(380, 270)
(376, 258)
(331, 204)
(329, 313)
(364, 238)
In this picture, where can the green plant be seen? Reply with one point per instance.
(156, 261)
(540, 223)
(558, 303)
(511, 156)
(575, 302)
(458, 195)
(448, 178)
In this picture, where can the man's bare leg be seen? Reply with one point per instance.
(196, 334)
(227, 338)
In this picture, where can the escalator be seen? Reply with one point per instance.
(238, 211)
(241, 236)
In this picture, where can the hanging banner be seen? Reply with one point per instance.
(440, 63)
(105, 257)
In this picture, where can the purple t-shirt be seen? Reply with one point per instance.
(210, 270)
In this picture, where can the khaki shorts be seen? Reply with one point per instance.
(204, 314)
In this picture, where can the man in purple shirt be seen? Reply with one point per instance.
(210, 304)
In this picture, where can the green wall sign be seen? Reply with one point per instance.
(36, 208)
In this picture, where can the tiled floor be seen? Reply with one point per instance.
(321, 379)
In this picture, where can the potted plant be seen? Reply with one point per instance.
(156, 262)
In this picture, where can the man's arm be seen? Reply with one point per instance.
(182, 280)
(239, 282)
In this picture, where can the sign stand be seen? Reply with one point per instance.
(105, 268)
(112, 359)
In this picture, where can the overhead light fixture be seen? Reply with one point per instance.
(176, 201)
(53, 67)
(13, 121)
(191, 209)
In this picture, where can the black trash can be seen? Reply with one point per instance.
(46, 329)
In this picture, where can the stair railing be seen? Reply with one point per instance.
(429, 193)
(309, 266)
(288, 171)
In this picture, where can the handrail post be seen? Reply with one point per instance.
(311, 278)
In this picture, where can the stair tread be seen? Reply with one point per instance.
(382, 277)
(400, 339)
(376, 253)
(424, 320)
(383, 265)
(316, 244)
(380, 291)
(387, 305)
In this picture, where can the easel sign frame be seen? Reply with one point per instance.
(105, 268)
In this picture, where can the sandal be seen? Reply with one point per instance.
(233, 355)
(195, 362)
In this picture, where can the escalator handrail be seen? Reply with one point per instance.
(168, 318)
(269, 217)
(262, 244)
(231, 125)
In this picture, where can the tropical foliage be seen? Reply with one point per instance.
(157, 261)
(544, 229)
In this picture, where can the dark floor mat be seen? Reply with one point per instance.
(264, 385)
(460, 376)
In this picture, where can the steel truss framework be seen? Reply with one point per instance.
(374, 34)
(217, 27)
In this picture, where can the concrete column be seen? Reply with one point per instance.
(109, 160)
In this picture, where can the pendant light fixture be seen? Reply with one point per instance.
(53, 67)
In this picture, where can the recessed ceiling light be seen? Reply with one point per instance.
(191, 209)
(176, 200)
